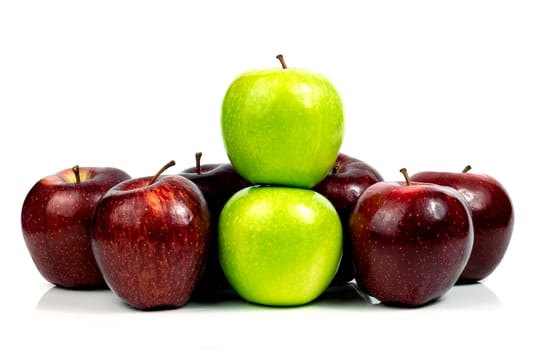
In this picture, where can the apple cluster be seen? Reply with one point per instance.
(280, 242)
(288, 217)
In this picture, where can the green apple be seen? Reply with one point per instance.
(279, 246)
(282, 126)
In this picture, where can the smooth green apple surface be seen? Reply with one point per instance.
(282, 126)
(279, 246)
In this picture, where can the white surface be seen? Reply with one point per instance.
(132, 84)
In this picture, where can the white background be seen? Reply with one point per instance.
(427, 85)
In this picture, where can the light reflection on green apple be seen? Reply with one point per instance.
(279, 246)
(282, 126)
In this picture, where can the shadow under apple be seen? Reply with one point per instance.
(104, 301)
(57, 299)
(475, 296)
(347, 297)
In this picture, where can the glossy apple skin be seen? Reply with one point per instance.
(282, 126)
(218, 183)
(410, 243)
(493, 218)
(279, 246)
(343, 186)
(151, 241)
(55, 220)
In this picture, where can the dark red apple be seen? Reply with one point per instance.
(410, 241)
(218, 182)
(150, 239)
(343, 185)
(493, 218)
(55, 219)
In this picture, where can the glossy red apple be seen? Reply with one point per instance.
(493, 218)
(150, 239)
(55, 219)
(218, 182)
(410, 241)
(344, 184)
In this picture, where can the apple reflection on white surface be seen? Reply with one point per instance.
(340, 316)
(471, 297)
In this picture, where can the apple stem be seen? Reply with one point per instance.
(335, 169)
(165, 167)
(198, 155)
(282, 61)
(466, 169)
(76, 171)
(405, 173)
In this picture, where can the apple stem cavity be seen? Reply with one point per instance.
(466, 169)
(198, 155)
(405, 173)
(165, 167)
(76, 171)
(282, 61)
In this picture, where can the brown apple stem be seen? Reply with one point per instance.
(466, 169)
(282, 61)
(76, 171)
(335, 169)
(165, 167)
(198, 155)
(405, 173)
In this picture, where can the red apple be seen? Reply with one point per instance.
(493, 218)
(344, 184)
(410, 241)
(55, 219)
(218, 182)
(150, 239)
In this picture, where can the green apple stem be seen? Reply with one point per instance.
(76, 171)
(198, 155)
(165, 167)
(466, 169)
(405, 173)
(282, 61)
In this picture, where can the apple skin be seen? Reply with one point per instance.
(151, 240)
(218, 183)
(343, 186)
(493, 218)
(55, 220)
(410, 242)
(282, 126)
(279, 246)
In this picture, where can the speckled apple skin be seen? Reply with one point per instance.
(279, 246)
(343, 186)
(410, 243)
(55, 219)
(218, 183)
(282, 126)
(493, 218)
(151, 241)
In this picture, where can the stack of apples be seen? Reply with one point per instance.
(287, 218)
(280, 243)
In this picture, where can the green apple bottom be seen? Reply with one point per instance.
(280, 243)
(279, 246)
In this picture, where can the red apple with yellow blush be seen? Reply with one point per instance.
(56, 218)
(150, 238)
